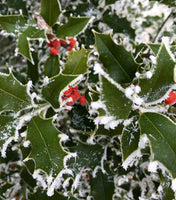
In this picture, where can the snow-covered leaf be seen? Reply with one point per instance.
(162, 79)
(12, 94)
(118, 62)
(52, 90)
(130, 139)
(102, 186)
(117, 104)
(7, 128)
(47, 152)
(50, 11)
(72, 27)
(160, 131)
(77, 62)
(12, 23)
(31, 33)
(154, 48)
(51, 66)
(88, 156)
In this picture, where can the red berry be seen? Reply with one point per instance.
(75, 88)
(70, 48)
(63, 42)
(54, 51)
(50, 44)
(67, 93)
(72, 42)
(82, 100)
(70, 103)
(56, 43)
(76, 94)
(171, 100)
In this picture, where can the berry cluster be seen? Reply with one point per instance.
(56, 44)
(171, 100)
(73, 93)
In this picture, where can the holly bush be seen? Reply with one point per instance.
(87, 99)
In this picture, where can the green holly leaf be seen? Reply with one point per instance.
(7, 128)
(74, 26)
(31, 33)
(52, 90)
(47, 151)
(88, 156)
(155, 48)
(77, 62)
(117, 104)
(102, 186)
(12, 23)
(130, 139)
(12, 94)
(50, 11)
(162, 79)
(119, 25)
(160, 131)
(18, 5)
(118, 62)
(52, 66)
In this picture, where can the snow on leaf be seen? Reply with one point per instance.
(7, 130)
(117, 104)
(47, 152)
(160, 131)
(153, 89)
(118, 62)
(12, 23)
(12, 94)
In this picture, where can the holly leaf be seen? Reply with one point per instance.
(109, 132)
(31, 33)
(51, 66)
(160, 131)
(162, 79)
(102, 186)
(18, 5)
(130, 139)
(52, 90)
(50, 11)
(77, 62)
(118, 62)
(155, 48)
(12, 94)
(12, 23)
(7, 128)
(74, 26)
(119, 25)
(88, 156)
(117, 104)
(47, 151)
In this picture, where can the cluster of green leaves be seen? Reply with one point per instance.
(91, 151)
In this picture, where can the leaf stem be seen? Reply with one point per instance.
(162, 26)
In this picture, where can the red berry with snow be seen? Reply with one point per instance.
(171, 100)
(82, 100)
(56, 43)
(72, 42)
(76, 94)
(54, 51)
(50, 44)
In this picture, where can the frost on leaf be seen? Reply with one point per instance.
(162, 80)
(12, 94)
(7, 132)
